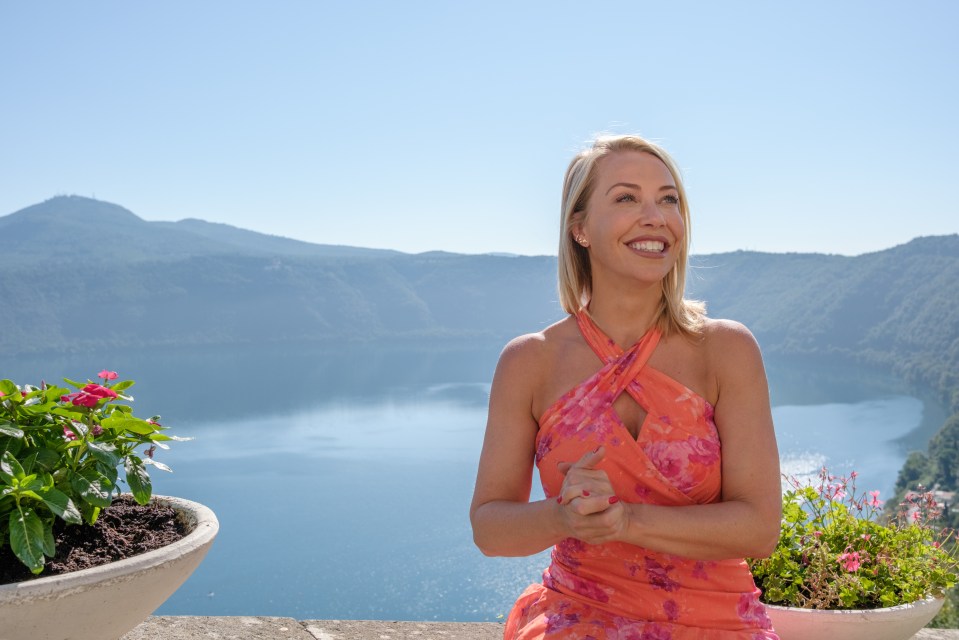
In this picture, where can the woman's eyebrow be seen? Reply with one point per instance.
(624, 184)
(665, 187)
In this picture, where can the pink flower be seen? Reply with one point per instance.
(750, 609)
(817, 533)
(915, 516)
(671, 609)
(68, 434)
(849, 561)
(866, 536)
(658, 575)
(96, 430)
(699, 571)
(874, 500)
(107, 375)
(853, 475)
(89, 396)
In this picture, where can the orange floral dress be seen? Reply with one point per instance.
(619, 590)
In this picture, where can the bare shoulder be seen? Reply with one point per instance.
(731, 351)
(728, 339)
(531, 354)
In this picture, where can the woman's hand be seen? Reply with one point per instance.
(589, 508)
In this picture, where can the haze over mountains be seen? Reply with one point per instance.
(77, 274)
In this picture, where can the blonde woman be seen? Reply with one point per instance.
(649, 424)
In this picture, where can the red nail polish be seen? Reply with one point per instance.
(559, 499)
(586, 494)
(613, 500)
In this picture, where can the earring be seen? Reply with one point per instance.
(582, 241)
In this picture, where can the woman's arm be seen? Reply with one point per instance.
(746, 521)
(504, 522)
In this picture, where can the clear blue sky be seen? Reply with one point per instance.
(813, 126)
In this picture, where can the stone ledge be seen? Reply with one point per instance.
(268, 628)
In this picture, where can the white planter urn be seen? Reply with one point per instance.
(103, 603)
(892, 623)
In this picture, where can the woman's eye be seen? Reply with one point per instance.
(671, 199)
(626, 197)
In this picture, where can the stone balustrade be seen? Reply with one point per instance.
(266, 628)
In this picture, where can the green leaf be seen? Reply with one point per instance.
(123, 385)
(93, 487)
(89, 512)
(49, 544)
(158, 465)
(47, 459)
(139, 480)
(29, 493)
(26, 538)
(10, 429)
(13, 445)
(110, 473)
(31, 483)
(10, 467)
(136, 425)
(29, 462)
(73, 413)
(62, 505)
(8, 387)
(104, 452)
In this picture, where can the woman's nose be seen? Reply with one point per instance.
(650, 215)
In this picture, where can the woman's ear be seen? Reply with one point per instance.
(577, 230)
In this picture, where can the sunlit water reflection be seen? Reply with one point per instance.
(343, 489)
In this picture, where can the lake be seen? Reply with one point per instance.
(342, 476)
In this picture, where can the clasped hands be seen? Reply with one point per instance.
(589, 508)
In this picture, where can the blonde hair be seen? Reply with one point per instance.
(676, 314)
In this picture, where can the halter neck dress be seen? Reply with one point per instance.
(619, 590)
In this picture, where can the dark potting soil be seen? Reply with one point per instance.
(123, 529)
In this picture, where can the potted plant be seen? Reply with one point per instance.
(61, 450)
(840, 570)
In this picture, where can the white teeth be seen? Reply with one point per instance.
(648, 245)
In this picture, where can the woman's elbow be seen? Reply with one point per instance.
(480, 538)
(766, 541)
(484, 548)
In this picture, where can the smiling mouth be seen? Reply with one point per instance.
(648, 246)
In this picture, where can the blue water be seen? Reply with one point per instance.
(342, 481)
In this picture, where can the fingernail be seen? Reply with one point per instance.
(597, 448)
(586, 494)
(559, 499)
(613, 500)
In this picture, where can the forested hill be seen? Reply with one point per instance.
(77, 273)
(898, 307)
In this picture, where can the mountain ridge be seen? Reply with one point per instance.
(65, 210)
(96, 228)
(194, 282)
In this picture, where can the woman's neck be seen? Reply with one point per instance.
(625, 316)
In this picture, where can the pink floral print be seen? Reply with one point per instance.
(618, 591)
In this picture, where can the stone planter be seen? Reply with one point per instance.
(103, 603)
(892, 623)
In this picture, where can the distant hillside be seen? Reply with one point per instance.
(897, 308)
(76, 228)
(77, 273)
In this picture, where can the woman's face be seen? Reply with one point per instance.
(632, 222)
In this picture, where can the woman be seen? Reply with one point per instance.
(649, 423)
